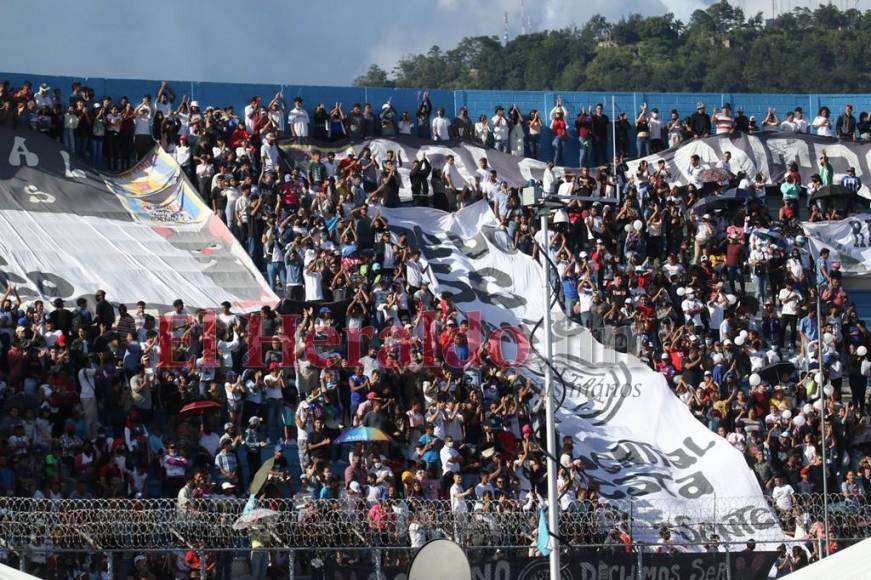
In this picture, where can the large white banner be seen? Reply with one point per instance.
(67, 231)
(848, 241)
(768, 153)
(638, 440)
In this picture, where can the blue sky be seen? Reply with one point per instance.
(271, 40)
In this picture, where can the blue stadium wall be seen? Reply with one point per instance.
(238, 95)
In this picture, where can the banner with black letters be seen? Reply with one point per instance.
(595, 565)
(640, 445)
(768, 153)
(67, 230)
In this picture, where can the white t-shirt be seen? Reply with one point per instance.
(500, 128)
(142, 125)
(270, 154)
(449, 459)
(87, 379)
(823, 126)
(789, 301)
(458, 503)
(298, 121)
(441, 129)
(782, 496)
(692, 304)
(414, 273)
(313, 285)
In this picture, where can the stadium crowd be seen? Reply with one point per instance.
(722, 303)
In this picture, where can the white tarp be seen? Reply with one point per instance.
(7, 573)
(635, 436)
(851, 563)
(848, 241)
(768, 153)
(67, 230)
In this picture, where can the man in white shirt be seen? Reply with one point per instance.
(450, 457)
(799, 121)
(458, 496)
(250, 110)
(441, 126)
(269, 154)
(452, 177)
(692, 308)
(298, 120)
(499, 128)
(790, 299)
(782, 493)
(88, 397)
(414, 271)
(694, 172)
(548, 179)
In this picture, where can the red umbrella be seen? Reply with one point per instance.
(200, 407)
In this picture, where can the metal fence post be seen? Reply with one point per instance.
(377, 555)
(291, 565)
(640, 558)
(22, 561)
(110, 565)
(728, 562)
(202, 556)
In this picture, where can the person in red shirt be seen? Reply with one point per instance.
(584, 125)
(560, 135)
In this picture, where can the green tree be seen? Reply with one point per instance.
(719, 49)
(374, 77)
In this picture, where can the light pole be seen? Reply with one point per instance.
(550, 424)
(823, 417)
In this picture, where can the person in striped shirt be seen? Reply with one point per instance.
(853, 185)
(724, 122)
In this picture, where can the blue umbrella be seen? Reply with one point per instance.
(361, 434)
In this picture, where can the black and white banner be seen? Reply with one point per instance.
(636, 438)
(767, 153)
(590, 565)
(848, 241)
(517, 171)
(67, 230)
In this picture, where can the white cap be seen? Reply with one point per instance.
(354, 486)
(227, 485)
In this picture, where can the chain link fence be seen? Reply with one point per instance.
(89, 525)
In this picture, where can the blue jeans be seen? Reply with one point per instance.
(273, 419)
(70, 140)
(761, 281)
(584, 158)
(642, 146)
(534, 146)
(97, 152)
(274, 269)
(735, 275)
(558, 146)
(81, 146)
(570, 307)
(501, 145)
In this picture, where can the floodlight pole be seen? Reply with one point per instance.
(552, 452)
(823, 417)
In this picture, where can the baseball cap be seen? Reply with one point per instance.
(227, 485)
(354, 486)
(700, 105)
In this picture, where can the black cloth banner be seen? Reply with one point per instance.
(592, 565)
